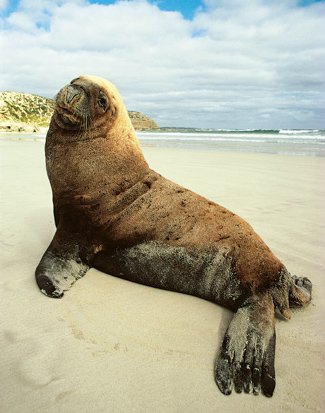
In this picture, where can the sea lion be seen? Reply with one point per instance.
(115, 214)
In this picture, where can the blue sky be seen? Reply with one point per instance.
(209, 63)
(186, 7)
(189, 7)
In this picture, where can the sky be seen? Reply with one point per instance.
(234, 64)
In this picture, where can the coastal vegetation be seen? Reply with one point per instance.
(25, 112)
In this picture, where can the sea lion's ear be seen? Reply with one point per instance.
(103, 101)
(113, 109)
(112, 105)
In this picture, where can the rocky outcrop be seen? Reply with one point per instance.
(24, 112)
(10, 126)
(142, 122)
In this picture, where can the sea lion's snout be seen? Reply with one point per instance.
(72, 92)
(72, 105)
(70, 96)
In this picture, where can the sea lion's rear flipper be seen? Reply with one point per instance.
(290, 291)
(246, 359)
(300, 292)
(59, 268)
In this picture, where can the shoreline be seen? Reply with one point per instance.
(231, 143)
(108, 338)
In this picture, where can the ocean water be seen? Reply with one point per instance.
(296, 142)
(283, 141)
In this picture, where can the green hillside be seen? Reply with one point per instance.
(24, 112)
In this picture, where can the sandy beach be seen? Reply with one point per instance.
(114, 346)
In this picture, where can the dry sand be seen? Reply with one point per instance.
(113, 346)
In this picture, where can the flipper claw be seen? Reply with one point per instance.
(246, 359)
(48, 288)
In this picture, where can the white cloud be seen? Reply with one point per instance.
(3, 4)
(237, 64)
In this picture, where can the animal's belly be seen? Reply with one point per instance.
(207, 274)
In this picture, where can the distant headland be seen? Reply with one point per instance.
(25, 112)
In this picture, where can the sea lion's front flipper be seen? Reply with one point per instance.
(60, 267)
(246, 359)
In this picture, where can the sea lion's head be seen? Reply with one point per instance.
(87, 103)
(90, 139)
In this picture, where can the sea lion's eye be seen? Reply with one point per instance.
(102, 101)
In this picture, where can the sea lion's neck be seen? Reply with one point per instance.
(113, 161)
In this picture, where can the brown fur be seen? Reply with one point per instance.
(102, 174)
(116, 214)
